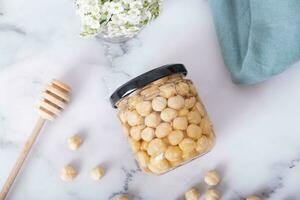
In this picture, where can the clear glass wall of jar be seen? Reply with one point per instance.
(164, 120)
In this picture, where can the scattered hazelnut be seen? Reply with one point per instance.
(74, 142)
(97, 173)
(212, 194)
(192, 194)
(68, 173)
(212, 178)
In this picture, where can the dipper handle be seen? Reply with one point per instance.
(14, 172)
(55, 98)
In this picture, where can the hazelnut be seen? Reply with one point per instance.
(182, 88)
(97, 173)
(160, 81)
(159, 164)
(167, 90)
(176, 102)
(74, 142)
(147, 134)
(175, 77)
(194, 117)
(206, 126)
(173, 153)
(122, 117)
(135, 132)
(189, 155)
(144, 108)
(133, 101)
(212, 178)
(144, 145)
(176, 163)
(194, 131)
(175, 137)
(134, 118)
(149, 92)
(163, 130)
(68, 173)
(156, 147)
(183, 112)
(152, 120)
(203, 143)
(193, 89)
(168, 114)
(159, 103)
(187, 145)
(189, 102)
(180, 123)
(192, 194)
(199, 107)
(212, 194)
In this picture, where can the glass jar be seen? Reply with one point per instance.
(164, 119)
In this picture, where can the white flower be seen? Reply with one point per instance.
(118, 20)
(91, 22)
(115, 18)
(133, 19)
(115, 8)
(127, 1)
(136, 4)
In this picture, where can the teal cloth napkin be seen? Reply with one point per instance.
(258, 38)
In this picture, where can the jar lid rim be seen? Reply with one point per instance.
(144, 79)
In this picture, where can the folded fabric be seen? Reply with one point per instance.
(258, 38)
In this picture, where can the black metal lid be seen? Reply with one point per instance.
(144, 79)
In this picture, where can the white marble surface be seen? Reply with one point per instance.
(257, 127)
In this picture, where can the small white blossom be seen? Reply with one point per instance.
(135, 4)
(115, 8)
(115, 18)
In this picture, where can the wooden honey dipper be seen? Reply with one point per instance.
(55, 98)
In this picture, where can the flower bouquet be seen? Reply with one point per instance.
(115, 19)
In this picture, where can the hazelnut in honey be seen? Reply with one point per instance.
(164, 119)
